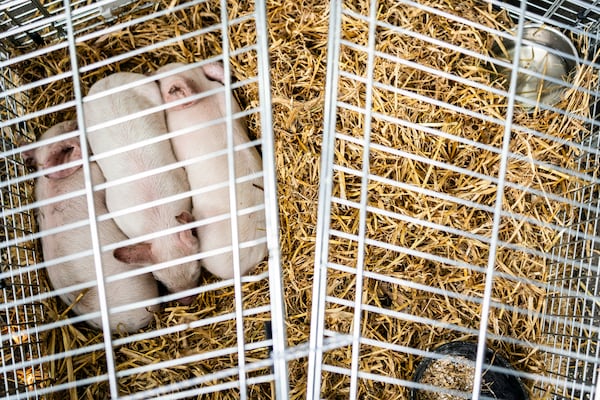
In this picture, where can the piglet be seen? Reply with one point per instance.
(80, 270)
(203, 141)
(148, 189)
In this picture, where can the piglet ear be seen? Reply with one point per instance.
(137, 254)
(29, 158)
(62, 153)
(215, 72)
(188, 237)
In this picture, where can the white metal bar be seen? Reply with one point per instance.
(276, 284)
(145, 336)
(52, 389)
(169, 390)
(101, 285)
(206, 355)
(471, 113)
(241, 344)
(315, 356)
(489, 277)
(364, 195)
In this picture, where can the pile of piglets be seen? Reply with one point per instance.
(158, 202)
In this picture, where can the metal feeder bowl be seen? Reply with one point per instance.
(538, 53)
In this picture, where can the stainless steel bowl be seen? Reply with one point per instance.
(538, 53)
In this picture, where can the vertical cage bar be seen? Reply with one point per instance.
(239, 305)
(97, 251)
(276, 285)
(498, 207)
(315, 356)
(362, 216)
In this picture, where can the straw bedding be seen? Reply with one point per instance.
(298, 43)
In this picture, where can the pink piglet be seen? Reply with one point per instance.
(202, 141)
(70, 242)
(152, 188)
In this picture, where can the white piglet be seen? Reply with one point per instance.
(210, 171)
(147, 189)
(81, 270)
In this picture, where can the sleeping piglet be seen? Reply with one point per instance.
(147, 189)
(80, 270)
(210, 171)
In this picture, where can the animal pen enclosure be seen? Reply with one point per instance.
(453, 206)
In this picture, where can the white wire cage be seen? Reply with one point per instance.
(231, 343)
(457, 204)
(453, 206)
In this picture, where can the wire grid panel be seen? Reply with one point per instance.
(457, 206)
(18, 348)
(62, 342)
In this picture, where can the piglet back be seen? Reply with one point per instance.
(114, 103)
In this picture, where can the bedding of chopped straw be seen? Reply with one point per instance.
(298, 43)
